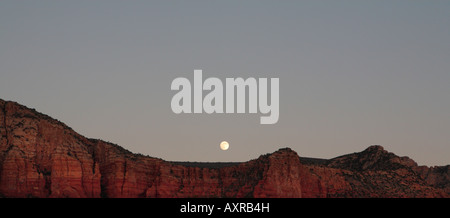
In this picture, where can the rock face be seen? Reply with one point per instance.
(42, 157)
(375, 172)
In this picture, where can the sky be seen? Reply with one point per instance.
(352, 73)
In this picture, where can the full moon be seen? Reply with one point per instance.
(224, 145)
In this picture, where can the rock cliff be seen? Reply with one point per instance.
(42, 157)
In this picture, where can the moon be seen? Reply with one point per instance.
(224, 145)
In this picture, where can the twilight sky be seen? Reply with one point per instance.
(352, 73)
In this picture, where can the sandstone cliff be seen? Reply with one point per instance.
(42, 157)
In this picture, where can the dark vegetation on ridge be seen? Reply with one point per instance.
(210, 165)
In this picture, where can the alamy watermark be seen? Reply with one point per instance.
(213, 101)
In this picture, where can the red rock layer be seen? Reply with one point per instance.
(42, 157)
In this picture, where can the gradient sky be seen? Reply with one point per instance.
(352, 73)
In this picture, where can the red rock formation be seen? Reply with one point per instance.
(42, 157)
